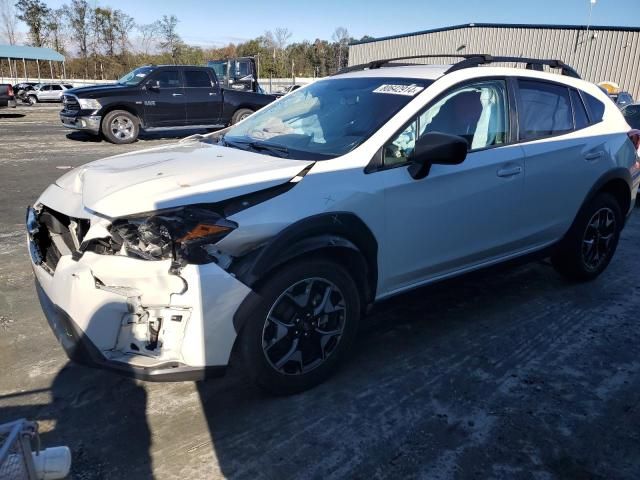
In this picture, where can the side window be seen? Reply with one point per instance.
(596, 107)
(544, 110)
(56, 87)
(196, 79)
(400, 149)
(476, 112)
(580, 116)
(46, 88)
(168, 79)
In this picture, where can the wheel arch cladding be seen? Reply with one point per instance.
(112, 108)
(340, 236)
(616, 182)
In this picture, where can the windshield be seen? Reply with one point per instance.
(326, 119)
(136, 76)
(220, 67)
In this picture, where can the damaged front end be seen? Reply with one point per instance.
(128, 295)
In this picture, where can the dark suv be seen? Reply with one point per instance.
(158, 97)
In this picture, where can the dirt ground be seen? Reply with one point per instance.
(509, 373)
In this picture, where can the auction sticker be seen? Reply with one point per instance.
(409, 90)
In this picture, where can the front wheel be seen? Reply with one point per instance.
(120, 127)
(302, 326)
(589, 245)
(240, 115)
(33, 99)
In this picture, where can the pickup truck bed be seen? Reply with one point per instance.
(7, 100)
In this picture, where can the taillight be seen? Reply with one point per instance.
(634, 136)
(10, 90)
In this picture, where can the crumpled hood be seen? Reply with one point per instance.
(173, 176)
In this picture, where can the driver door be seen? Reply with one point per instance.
(164, 103)
(459, 216)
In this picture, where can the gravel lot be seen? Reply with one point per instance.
(511, 373)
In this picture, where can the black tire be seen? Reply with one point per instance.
(120, 127)
(307, 343)
(32, 99)
(591, 242)
(240, 114)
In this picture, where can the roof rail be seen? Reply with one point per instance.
(470, 61)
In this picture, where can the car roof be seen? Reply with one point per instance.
(434, 72)
(427, 72)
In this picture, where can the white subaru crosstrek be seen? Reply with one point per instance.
(274, 235)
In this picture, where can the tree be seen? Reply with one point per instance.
(282, 36)
(148, 37)
(79, 18)
(123, 25)
(170, 41)
(56, 28)
(341, 37)
(35, 14)
(8, 22)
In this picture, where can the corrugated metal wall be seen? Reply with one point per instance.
(598, 55)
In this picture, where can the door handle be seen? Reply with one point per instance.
(593, 156)
(509, 171)
(212, 93)
(176, 94)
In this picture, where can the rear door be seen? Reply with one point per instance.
(202, 97)
(564, 155)
(56, 93)
(164, 103)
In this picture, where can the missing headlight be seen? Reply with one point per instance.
(180, 234)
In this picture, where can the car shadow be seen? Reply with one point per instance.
(79, 136)
(11, 115)
(329, 431)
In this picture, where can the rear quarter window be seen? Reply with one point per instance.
(596, 107)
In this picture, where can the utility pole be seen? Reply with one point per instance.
(588, 39)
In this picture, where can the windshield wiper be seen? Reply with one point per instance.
(271, 148)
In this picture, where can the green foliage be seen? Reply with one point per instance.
(35, 14)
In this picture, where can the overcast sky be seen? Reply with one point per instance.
(215, 23)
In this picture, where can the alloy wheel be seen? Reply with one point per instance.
(304, 326)
(122, 127)
(598, 238)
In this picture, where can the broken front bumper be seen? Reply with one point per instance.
(134, 317)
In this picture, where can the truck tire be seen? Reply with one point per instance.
(590, 243)
(240, 115)
(32, 99)
(120, 127)
(302, 326)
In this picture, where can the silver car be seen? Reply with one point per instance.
(47, 92)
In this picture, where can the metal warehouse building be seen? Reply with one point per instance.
(597, 53)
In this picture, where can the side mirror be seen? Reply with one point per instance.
(154, 85)
(437, 149)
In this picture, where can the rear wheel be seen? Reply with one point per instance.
(240, 115)
(591, 242)
(302, 327)
(120, 127)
